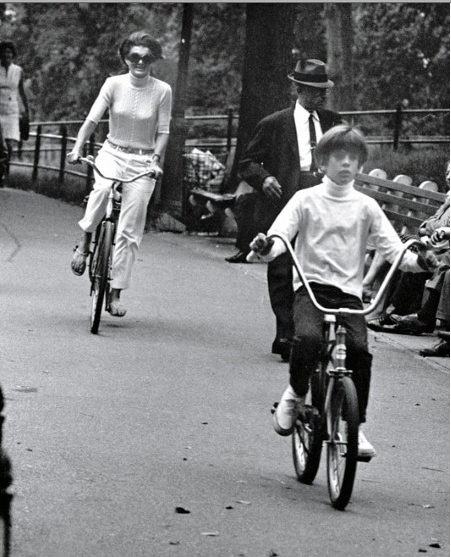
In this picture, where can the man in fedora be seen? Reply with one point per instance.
(279, 161)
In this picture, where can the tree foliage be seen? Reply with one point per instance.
(68, 50)
(400, 51)
(216, 57)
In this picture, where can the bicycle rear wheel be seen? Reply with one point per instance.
(99, 273)
(342, 447)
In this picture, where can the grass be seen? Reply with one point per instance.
(47, 183)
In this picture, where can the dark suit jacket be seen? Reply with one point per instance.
(273, 151)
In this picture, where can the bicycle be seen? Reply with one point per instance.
(101, 255)
(330, 414)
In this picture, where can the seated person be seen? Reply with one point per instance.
(441, 349)
(424, 321)
(406, 294)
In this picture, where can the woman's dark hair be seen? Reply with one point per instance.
(140, 38)
(342, 137)
(8, 44)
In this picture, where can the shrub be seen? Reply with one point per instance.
(420, 163)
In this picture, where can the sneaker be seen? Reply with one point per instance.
(366, 449)
(287, 411)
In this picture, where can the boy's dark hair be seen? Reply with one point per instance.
(341, 137)
(140, 38)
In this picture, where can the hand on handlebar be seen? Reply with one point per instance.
(271, 188)
(261, 244)
(73, 157)
(156, 170)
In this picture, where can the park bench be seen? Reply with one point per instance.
(406, 205)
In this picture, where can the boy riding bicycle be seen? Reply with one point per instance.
(332, 224)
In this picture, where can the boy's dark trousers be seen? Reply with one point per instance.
(307, 341)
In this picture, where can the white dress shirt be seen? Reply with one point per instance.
(301, 116)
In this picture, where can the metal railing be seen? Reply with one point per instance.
(58, 144)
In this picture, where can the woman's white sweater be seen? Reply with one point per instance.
(139, 109)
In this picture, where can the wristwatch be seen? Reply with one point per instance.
(156, 158)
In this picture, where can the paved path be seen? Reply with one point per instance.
(169, 407)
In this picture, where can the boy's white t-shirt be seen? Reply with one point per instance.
(334, 225)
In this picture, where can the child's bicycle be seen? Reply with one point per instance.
(101, 254)
(330, 414)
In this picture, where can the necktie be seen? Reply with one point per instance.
(311, 127)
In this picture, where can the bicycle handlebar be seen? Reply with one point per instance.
(90, 161)
(377, 299)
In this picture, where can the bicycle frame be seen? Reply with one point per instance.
(382, 289)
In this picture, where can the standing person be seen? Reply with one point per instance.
(12, 92)
(139, 116)
(332, 224)
(279, 161)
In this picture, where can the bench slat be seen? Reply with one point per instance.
(362, 179)
(417, 206)
(217, 197)
(406, 220)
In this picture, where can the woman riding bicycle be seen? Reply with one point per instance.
(139, 108)
(333, 223)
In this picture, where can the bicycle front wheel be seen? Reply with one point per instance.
(306, 443)
(342, 446)
(99, 275)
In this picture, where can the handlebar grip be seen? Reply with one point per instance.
(253, 257)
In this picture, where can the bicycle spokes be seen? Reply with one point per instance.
(342, 445)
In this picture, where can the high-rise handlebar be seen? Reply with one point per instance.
(369, 309)
(151, 172)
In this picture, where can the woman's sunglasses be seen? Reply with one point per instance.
(136, 59)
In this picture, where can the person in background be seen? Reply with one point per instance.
(13, 100)
(139, 116)
(436, 304)
(410, 289)
(332, 224)
(278, 162)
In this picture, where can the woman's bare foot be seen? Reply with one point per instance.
(116, 308)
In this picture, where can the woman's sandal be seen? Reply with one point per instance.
(78, 263)
(116, 309)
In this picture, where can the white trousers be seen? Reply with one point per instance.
(132, 219)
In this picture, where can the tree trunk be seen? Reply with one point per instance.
(340, 40)
(172, 193)
(267, 62)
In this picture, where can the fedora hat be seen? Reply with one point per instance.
(312, 73)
